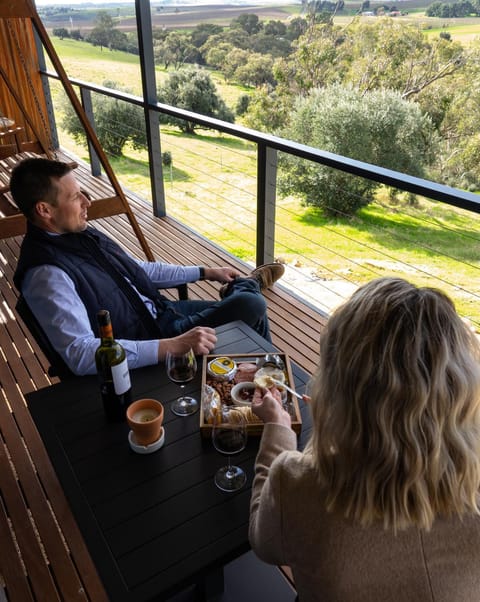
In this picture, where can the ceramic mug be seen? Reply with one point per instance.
(145, 418)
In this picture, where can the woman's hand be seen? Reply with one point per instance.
(269, 409)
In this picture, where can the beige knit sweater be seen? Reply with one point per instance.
(334, 560)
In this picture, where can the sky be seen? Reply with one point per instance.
(191, 2)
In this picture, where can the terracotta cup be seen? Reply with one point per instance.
(145, 418)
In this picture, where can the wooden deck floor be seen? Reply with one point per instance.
(42, 555)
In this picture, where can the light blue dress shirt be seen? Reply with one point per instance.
(52, 296)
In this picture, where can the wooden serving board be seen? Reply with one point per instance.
(224, 388)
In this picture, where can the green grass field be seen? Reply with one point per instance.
(465, 33)
(462, 30)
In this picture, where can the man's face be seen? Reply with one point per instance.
(71, 209)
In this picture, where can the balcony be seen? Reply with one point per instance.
(298, 307)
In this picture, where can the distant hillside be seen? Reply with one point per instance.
(78, 17)
(220, 14)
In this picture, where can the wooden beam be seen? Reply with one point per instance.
(13, 225)
(44, 38)
(106, 207)
(15, 9)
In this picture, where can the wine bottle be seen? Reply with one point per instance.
(112, 369)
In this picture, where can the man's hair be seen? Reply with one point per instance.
(35, 180)
(395, 406)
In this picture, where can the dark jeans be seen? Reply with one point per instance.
(243, 301)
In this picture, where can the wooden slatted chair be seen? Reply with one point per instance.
(57, 366)
(10, 142)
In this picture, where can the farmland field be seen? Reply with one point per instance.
(181, 18)
(463, 30)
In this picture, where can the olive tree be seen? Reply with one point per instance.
(192, 89)
(378, 127)
(116, 122)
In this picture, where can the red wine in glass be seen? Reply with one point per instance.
(229, 436)
(181, 369)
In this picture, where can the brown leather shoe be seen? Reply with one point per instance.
(267, 274)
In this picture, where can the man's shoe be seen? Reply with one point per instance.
(267, 274)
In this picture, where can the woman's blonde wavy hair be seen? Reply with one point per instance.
(396, 408)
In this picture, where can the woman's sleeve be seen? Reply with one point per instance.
(269, 485)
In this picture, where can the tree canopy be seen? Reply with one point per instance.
(116, 122)
(378, 127)
(440, 76)
(449, 10)
(194, 90)
(382, 54)
(105, 35)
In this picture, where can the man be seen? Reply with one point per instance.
(68, 270)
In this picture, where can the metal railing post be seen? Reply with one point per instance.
(95, 164)
(266, 198)
(147, 66)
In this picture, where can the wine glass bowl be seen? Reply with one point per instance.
(229, 436)
(181, 368)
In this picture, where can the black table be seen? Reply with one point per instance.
(153, 524)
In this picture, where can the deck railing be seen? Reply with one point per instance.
(267, 226)
(321, 270)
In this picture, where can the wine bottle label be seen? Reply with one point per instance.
(121, 377)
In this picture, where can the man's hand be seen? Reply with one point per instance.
(221, 274)
(201, 339)
(268, 409)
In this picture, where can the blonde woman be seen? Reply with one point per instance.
(383, 505)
